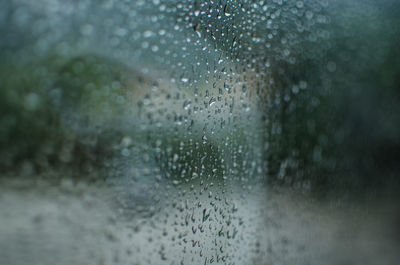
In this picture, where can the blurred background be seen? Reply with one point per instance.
(234, 132)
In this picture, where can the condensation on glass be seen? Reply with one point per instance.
(143, 132)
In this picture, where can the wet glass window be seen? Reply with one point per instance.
(199, 132)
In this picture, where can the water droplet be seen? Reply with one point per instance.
(32, 101)
(175, 182)
(226, 11)
(147, 34)
(331, 66)
(212, 101)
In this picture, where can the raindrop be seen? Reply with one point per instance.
(226, 12)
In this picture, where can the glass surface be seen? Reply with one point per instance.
(199, 132)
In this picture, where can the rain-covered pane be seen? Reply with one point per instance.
(199, 132)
